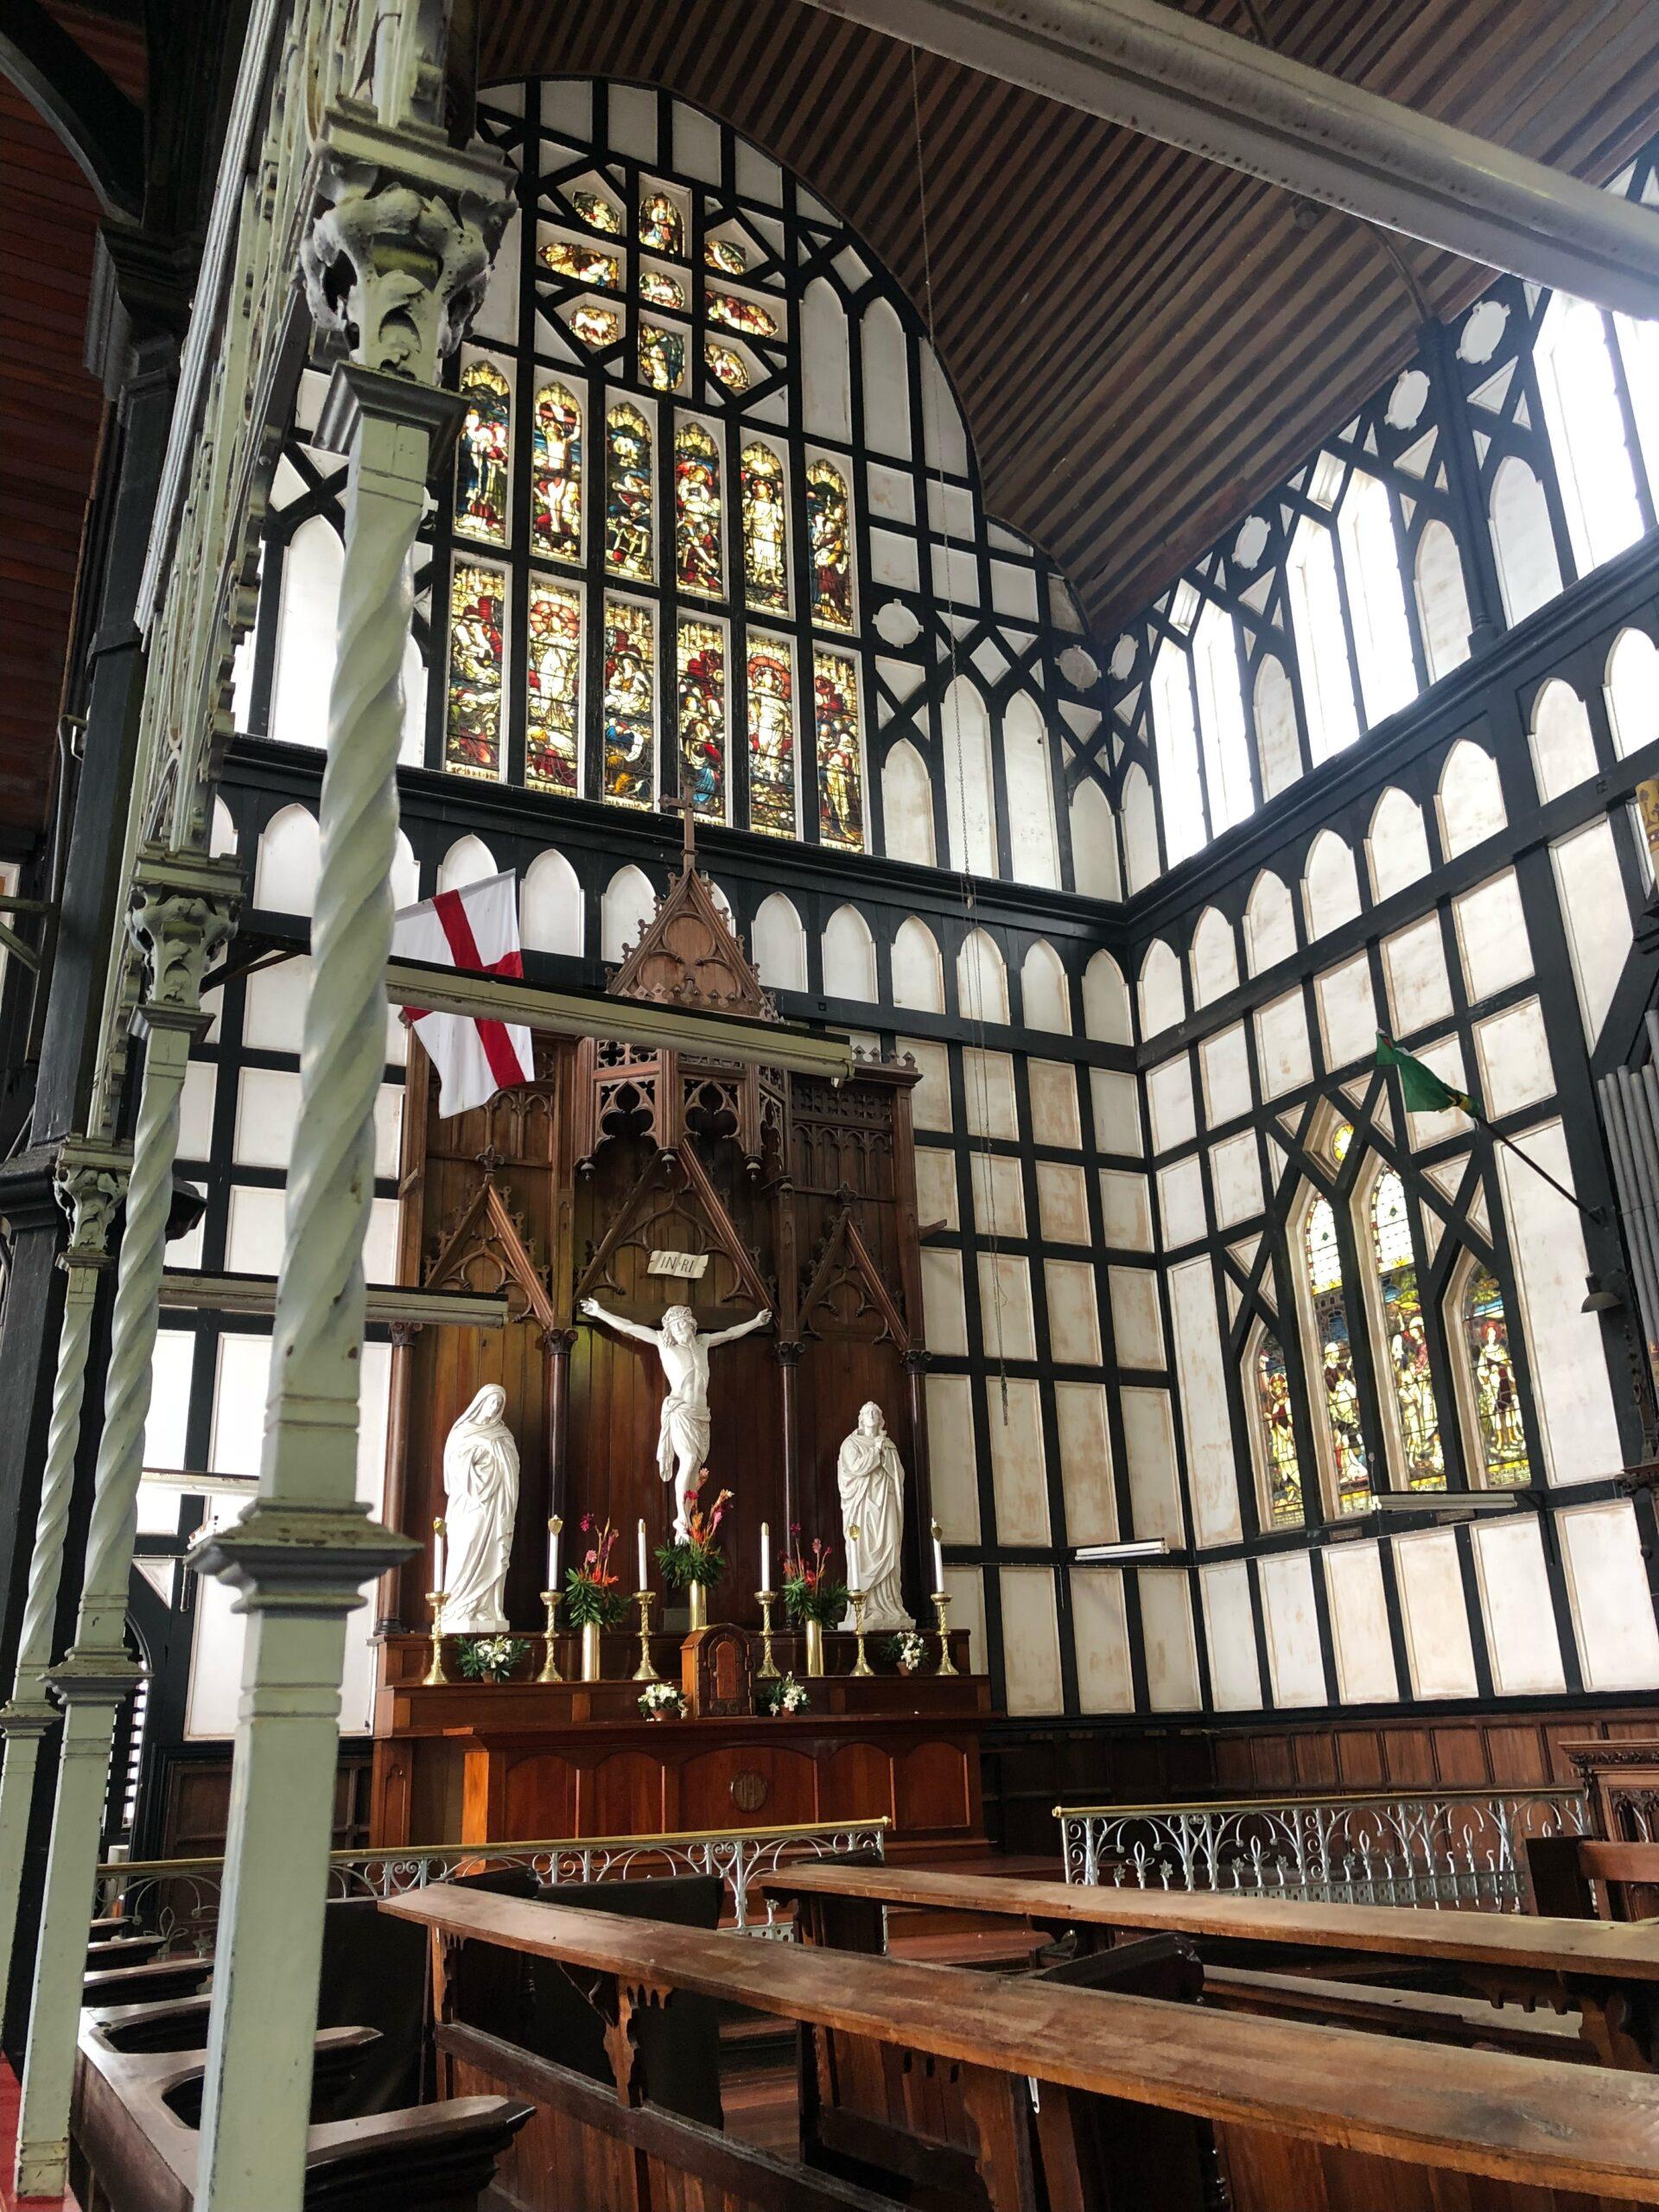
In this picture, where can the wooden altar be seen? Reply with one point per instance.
(649, 1178)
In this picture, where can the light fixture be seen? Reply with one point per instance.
(1598, 1298)
(1450, 1504)
(1137, 1547)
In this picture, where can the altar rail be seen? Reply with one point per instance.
(1454, 1851)
(179, 1898)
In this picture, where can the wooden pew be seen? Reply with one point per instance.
(1608, 1973)
(1311, 2122)
(1585, 1877)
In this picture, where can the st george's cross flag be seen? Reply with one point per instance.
(474, 930)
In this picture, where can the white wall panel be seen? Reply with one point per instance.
(1211, 1474)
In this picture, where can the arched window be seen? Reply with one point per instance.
(1586, 431)
(1140, 829)
(1376, 599)
(1094, 843)
(1523, 545)
(982, 979)
(1632, 689)
(1331, 1352)
(556, 475)
(549, 905)
(483, 452)
(1274, 1429)
(1416, 1414)
(304, 669)
(907, 805)
(1442, 601)
(1180, 788)
(779, 945)
(1278, 746)
(970, 809)
(848, 956)
(1493, 1399)
(1221, 720)
(469, 859)
(628, 904)
(699, 556)
(1044, 996)
(1035, 857)
(1106, 1001)
(917, 970)
(1321, 640)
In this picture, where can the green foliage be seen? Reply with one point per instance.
(681, 1564)
(489, 1658)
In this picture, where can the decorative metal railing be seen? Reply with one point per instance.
(1453, 1852)
(179, 1898)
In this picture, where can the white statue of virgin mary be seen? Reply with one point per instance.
(870, 1477)
(480, 1487)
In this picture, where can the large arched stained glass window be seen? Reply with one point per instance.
(701, 704)
(481, 452)
(629, 726)
(698, 564)
(841, 771)
(771, 674)
(1501, 1433)
(556, 475)
(1405, 1336)
(477, 629)
(627, 493)
(830, 531)
(1336, 1384)
(765, 530)
(552, 737)
(1281, 1467)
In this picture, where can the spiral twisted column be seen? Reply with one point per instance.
(89, 1183)
(182, 911)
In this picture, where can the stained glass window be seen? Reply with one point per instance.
(701, 705)
(726, 366)
(586, 264)
(662, 357)
(630, 694)
(697, 563)
(1406, 1336)
(556, 475)
(827, 530)
(553, 735)
(662, 227)
(660, 288)
(726, 255)
(1278, 1431)
(598, 213)
(834, 725)
(765, 530)
(627, 493)
(1336, 1384)
(747, 315)
(595, 326)
(481, 452)
(772, 737)
(477, 625)
(1496, 1396)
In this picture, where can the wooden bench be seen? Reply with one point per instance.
(1606, 1973)
(1585, 1877)
(1308, 2120)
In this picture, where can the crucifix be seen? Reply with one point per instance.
(686, 809)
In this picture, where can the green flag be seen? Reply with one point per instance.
(1421, 1089)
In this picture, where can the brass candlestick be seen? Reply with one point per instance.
(435, 1672)
(768, 1668)
(644, 1671)
(942, 1614)
(550, 1637)
(862, 1666)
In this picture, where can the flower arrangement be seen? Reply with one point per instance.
(663, 1701)
(489, 1658)
(811, 1592)
(592, 1591)
(785, 1695)
(907, 1651)
(697, 1558)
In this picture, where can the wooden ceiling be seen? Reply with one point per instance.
(1142, 341)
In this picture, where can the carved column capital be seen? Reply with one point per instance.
(916, 1361)
(181, 914)
(788, 1355)
(559, 1344)
(91, 1183)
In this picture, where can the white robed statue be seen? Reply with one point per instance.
(682, 1439)
(870, 1477)
(480, 1488)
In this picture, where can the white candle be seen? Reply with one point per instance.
(852, 1559)
(641, 1583)
(437, 1554)
(765, 1556)
(553, 1529)
(939, 1562)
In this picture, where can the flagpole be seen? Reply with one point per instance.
(1440, 1095)
(1597, 1214)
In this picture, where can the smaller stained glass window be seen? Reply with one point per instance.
(1336, 1381)
(701, 708)
(598, 213)
(584, 264)
(835, 727)
(765, 530)
(556, 475)
(477, 625)
(660, 288)
(747, 315)
(726, 365)
(627, 493)
(552, 745)
(1341, 1137)
(1406, 1336)
(697, 563)
(827, 528)
(771, 673)
(630, 688)
(726, 255)
(662, 227)
(1496, 1395)
(1278, 1431)
(662, 357)
(594, 325)
(481, 452)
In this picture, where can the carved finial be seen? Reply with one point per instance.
(686, 809)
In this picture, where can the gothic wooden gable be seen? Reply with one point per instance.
(688, 955)
(487, 1249)
(847, 1295)
(675, 1207)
